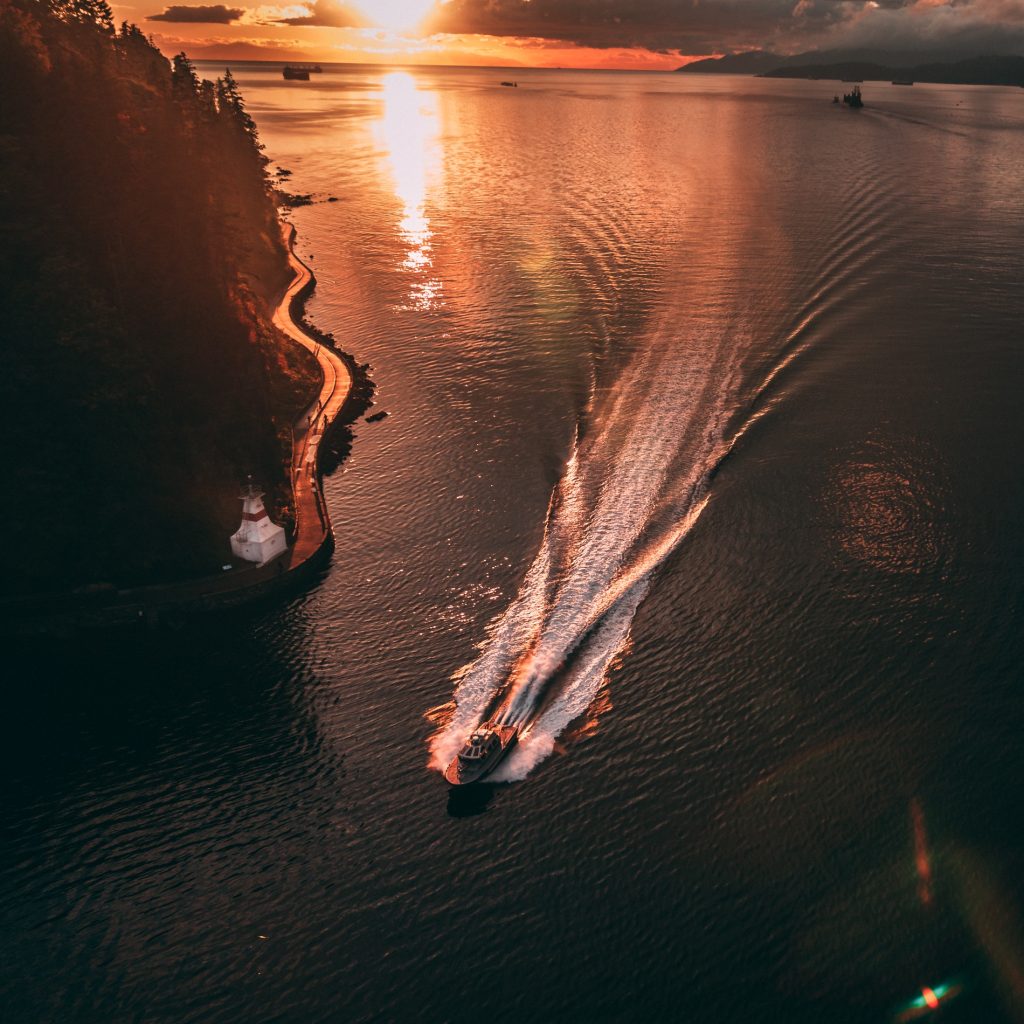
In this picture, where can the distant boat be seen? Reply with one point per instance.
(853, 99)
(850, 81)
(296, 74)
(511, 85)
(902, 81)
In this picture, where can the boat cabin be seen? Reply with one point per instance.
(480, 745)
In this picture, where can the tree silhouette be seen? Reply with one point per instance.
(141, 254)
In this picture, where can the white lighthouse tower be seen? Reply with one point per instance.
(257, 539)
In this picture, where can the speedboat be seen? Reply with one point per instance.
(481, 753)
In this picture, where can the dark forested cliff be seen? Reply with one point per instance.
(140, 381)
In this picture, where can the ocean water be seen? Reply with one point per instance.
(702, 465)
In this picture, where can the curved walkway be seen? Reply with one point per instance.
(312, 524)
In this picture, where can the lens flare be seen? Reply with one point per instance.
(922, 857)
(931, 999)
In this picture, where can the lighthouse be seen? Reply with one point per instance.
(257, 539)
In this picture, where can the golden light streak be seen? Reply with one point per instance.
(408, 132)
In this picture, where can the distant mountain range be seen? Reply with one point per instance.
(866, 66)
(754, 62)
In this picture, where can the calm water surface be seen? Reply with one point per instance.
(702, 462)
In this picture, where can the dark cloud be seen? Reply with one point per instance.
(687, 26)
(327, 14)
(699, 27)
(656, 24)
(935, 30)
(215, 15)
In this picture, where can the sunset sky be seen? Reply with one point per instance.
(655, 34)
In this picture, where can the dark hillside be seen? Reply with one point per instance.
(867, 66)
(999, 70)
(734, 64)
(140, 251)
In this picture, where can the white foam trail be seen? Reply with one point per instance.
(635, 483)
(476, 682)
(633, 487)
(627, 500)
(577, 692)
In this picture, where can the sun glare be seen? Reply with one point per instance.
(408, 131)
(397, 15)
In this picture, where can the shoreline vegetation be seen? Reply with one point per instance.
(148, 372)
(321, 439)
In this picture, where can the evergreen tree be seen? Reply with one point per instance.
(96, 13)
(229, 100)
(184, 77)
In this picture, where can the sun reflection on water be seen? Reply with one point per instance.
(408, 132)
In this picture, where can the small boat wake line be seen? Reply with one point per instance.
(635, 483)
(637, 478)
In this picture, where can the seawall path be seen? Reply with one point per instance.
(312, 523)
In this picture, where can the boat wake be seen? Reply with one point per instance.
(637, 476)
(635, 483)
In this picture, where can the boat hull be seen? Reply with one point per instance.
(457, 774)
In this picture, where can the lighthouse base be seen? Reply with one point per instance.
(270, 545)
